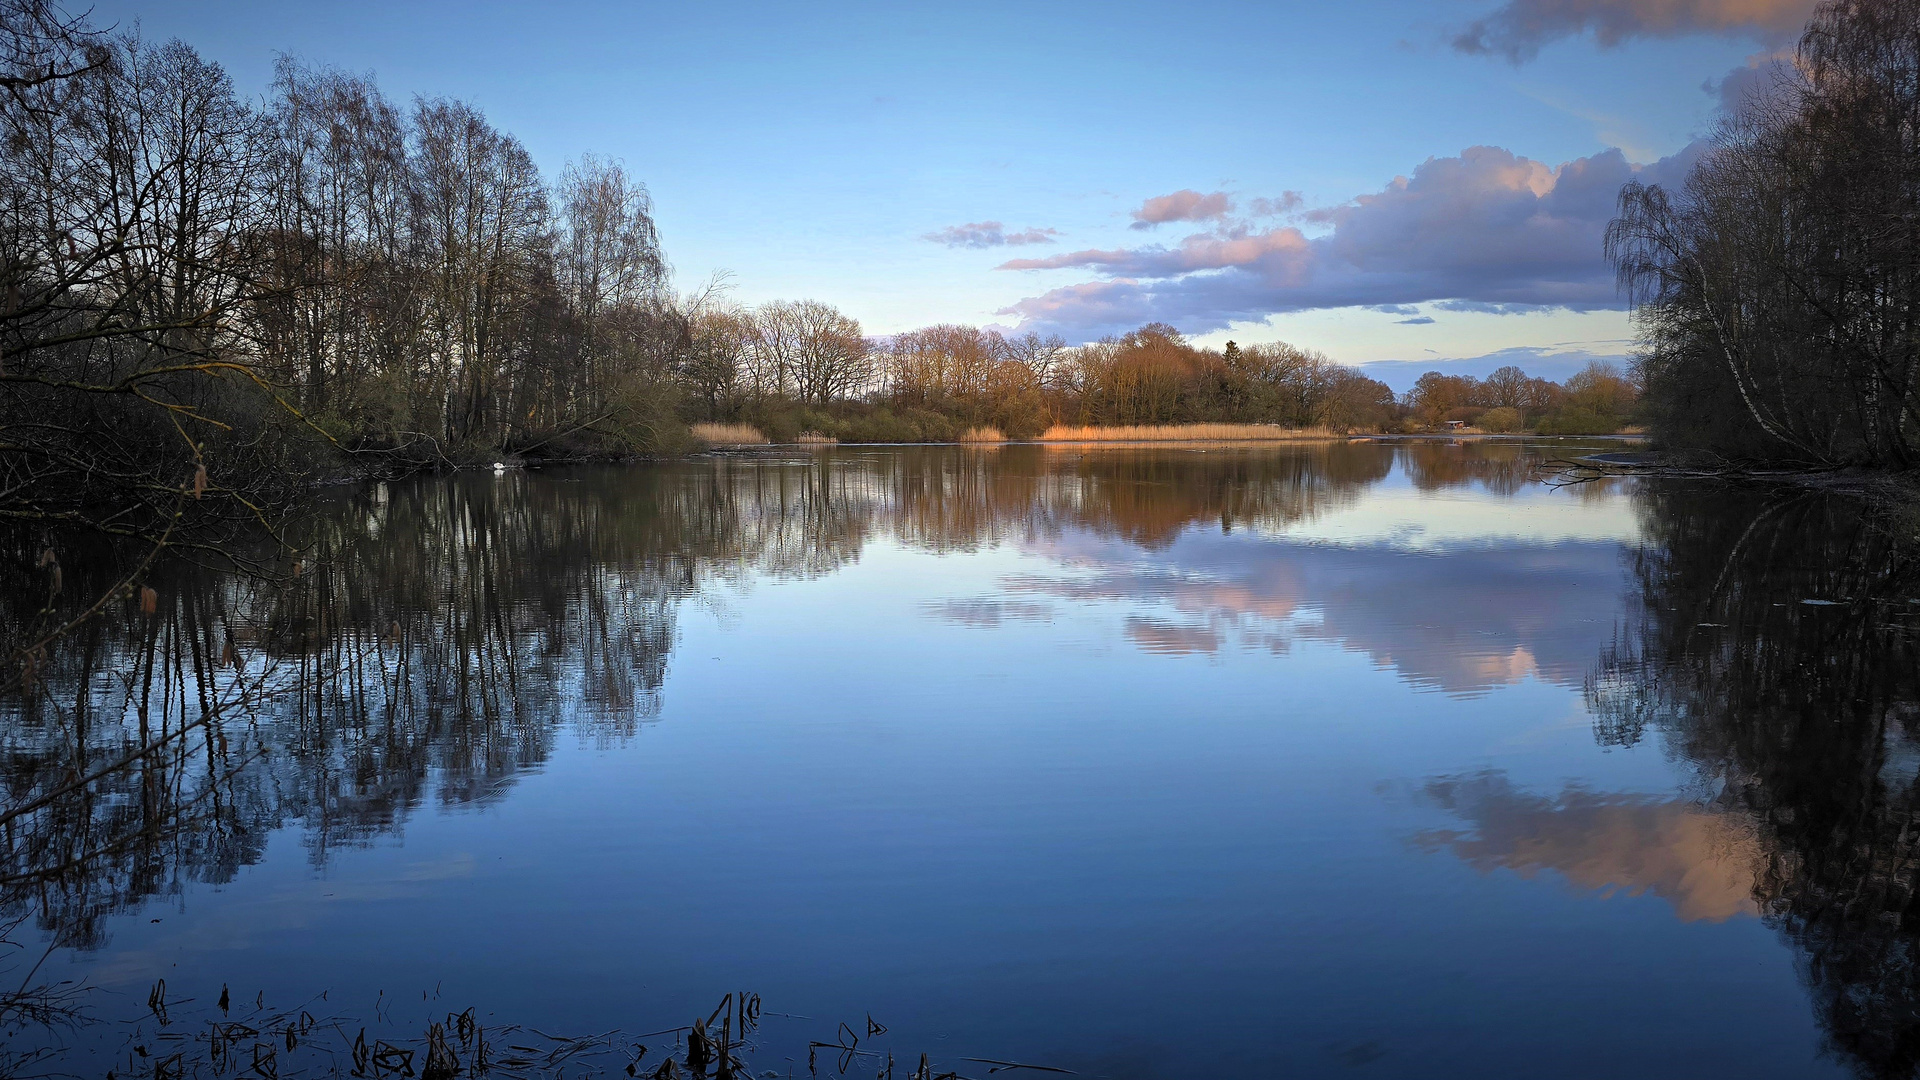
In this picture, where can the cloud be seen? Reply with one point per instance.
(986, 234)
(1546, 363)
(1487, 230)
(1746, 84)
(1185, 205)
(1418, 320)
(1288, 202)
(1518, 29)
(1199, 252)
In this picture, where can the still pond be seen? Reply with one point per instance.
(1373, 759)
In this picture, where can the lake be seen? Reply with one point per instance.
(1368, 759)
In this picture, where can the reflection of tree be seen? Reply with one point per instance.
(1774, 649)
(438, 635)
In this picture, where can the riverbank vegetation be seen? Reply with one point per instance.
(1778, 289)
(938, 383)
(1598, 399)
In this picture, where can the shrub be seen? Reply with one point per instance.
(1574, 420)
(1503, 419)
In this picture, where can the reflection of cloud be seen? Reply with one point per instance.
(1701, 861)
(1461, 621)
(1509, 668)
(985, 614)
(1171, 639)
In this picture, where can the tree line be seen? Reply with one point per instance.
(1598, 398)
(1778, 289)
(793, 367)
(788, 366)
(203, 295)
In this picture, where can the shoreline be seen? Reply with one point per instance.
(514, 463)
(1357, 437)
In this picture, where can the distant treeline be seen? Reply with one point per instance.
(935, 383)
(1779, 288)
(1599, 398)
(792, 368)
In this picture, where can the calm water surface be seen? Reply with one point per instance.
(1369, 760)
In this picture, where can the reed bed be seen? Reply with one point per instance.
(815, 438)
(729, 434)
(1185, 433)
(982, 435)
(183, 1038)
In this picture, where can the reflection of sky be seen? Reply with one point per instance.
(1398, 516)
(1071, 801)
(1460, 589)
(1461, 620)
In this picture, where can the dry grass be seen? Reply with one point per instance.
(982, 435)
(1185, 433)
(815, 438)
(728, 434)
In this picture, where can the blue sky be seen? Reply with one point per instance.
(1413, 156)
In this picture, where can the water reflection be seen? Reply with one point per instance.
(441, 637)
(1774, 649)
(1702, 861)
(439, 634)
(1771, 647)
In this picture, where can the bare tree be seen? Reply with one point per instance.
(715, 365)
(811, 350)
(1777, 290)
(480, 218)
(610, 266)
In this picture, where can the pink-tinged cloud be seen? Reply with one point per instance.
(1518, 29)
(1185, 205)
(1487, 229)
(1276, 248)
(987, 234)
(1288, 202)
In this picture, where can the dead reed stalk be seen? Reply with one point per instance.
(729, 434)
